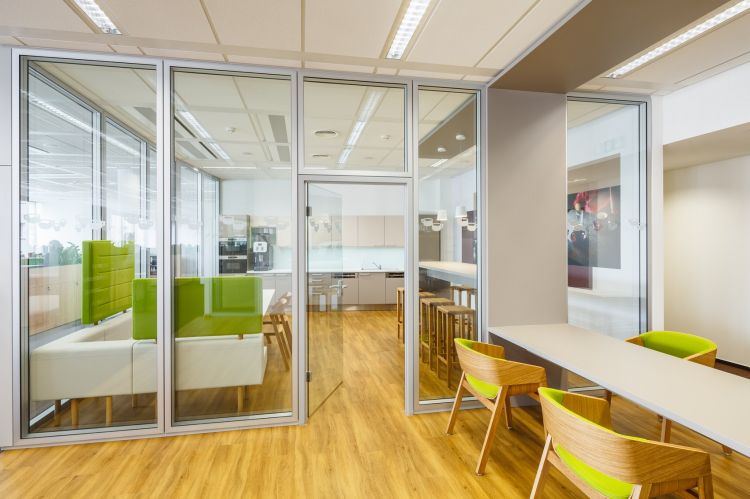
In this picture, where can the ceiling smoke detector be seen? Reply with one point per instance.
(326, 134)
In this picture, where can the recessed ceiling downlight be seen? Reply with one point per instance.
(326, 134)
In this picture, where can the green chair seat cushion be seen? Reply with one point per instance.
(605, 484)
(484, 389)
(676, 344)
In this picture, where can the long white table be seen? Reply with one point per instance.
(708, 401)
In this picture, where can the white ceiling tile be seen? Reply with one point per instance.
(126, 49)
(42, 14)
(726, 43)
(264, 61)
(386, 71)
(461, 34)
(199, 90)
(256, 23)
(329, 66)
(183, 54)
(479, 78)
(9, 40)
(266, 95)
(538, 21)
(349, 27)
(60, 44)
(181, 20)
(430, 74)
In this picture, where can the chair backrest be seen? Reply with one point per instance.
(486, 363)
(107, 272)
(629, 459)
(682, 345)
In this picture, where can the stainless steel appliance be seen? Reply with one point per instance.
(263, 239)
(233, 264)
(234, 253)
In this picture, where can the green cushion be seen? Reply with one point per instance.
(487, 390)
(676, 344)
(605, 484)
(107, 276)
(235, 306)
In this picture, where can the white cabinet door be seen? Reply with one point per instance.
(394, 231)
(370, 231)
(350, 292)
(391, 283)
(349, 231)
(371, 288)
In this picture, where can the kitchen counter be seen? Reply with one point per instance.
(326, 271)
(453, 272)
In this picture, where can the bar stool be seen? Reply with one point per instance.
(459, 290)
(452, 321)
(399, 312)
(427, 330)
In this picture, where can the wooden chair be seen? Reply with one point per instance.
(685, 346)
(281, 329)
(492, 380)
(602, 463)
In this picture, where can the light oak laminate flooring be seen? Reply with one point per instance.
(358, 444)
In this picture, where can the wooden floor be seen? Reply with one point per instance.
(358, 444)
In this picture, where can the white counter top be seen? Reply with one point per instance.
(325, 271)
(709, 401)
(454, 272)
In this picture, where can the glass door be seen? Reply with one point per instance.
(325, 327)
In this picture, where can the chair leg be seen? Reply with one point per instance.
(726, 450)
(541, 472)
(666, 430)
(108, 410)
(706, 487)
(74, 413)
(484, 456)
(641, 491)
(456, 406)
(608, 396)
(240, 399)
(508, 414)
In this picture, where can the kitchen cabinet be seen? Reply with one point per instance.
(349, 231)
(370, 231)
(350, 293)
(371, 288)
(393, 231)
(393, 280)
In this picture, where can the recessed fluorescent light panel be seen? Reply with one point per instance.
(98, 17)
(412, 17)
(188, 116)
(683, 38)
(374, 97)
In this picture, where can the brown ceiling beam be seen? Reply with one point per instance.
(599, 37)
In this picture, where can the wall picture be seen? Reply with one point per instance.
(594, 228)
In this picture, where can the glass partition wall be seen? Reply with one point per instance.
(447, 223)
(231, 249)
(87, 234)
(117, 253)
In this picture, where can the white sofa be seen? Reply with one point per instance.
(103, 360)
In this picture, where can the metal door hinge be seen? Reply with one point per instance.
(308, 376)
(309, 211)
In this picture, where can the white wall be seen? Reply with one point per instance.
(6, 304)
(707, 106)
(707, 244)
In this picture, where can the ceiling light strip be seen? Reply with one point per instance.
(368, 110)
(682, 38)
(98, 17)
(193, 121)
(409, 23)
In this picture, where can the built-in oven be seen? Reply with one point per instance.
(233, 246)
(233, 264)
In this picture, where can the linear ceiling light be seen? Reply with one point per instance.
(188, 116)
(412, 17)
(368, 110)
(98, 17)
(681, 39)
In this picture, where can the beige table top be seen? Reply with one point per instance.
(709, 401)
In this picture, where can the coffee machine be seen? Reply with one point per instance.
(263, 239)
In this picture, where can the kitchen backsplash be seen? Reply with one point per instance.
(353, 258)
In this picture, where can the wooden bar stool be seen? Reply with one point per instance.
(458, 291)
(427, 330)
(399, 312)
(452, 321)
